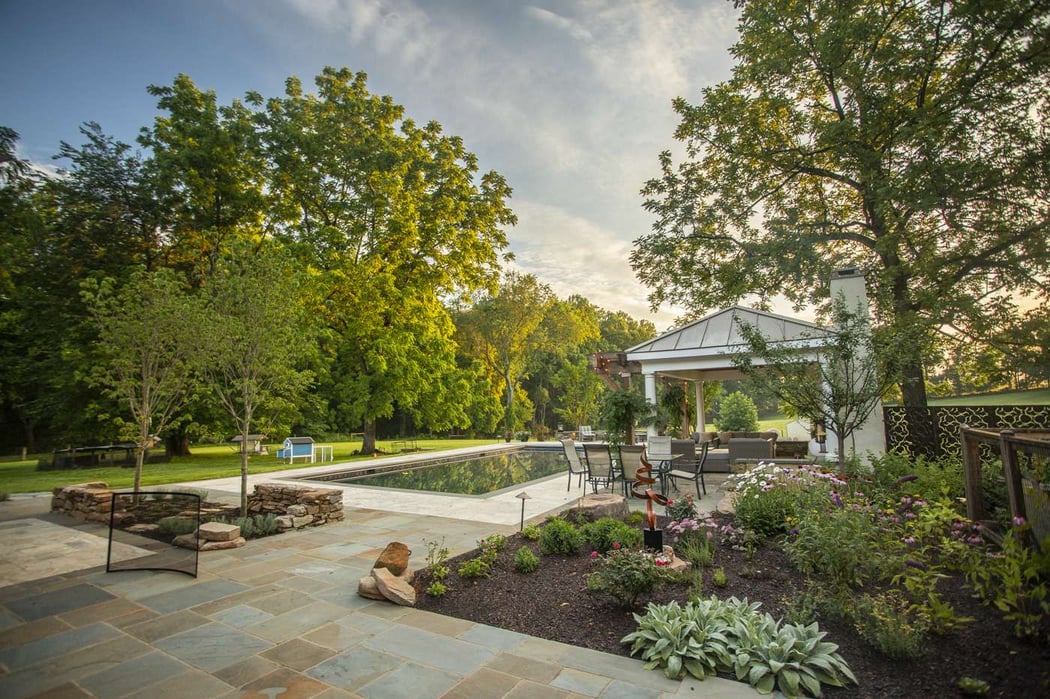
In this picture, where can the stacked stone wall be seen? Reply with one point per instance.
(85, 501)
(295, 506)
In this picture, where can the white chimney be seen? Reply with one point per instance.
(848, 285)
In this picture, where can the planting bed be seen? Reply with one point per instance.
(553, 603)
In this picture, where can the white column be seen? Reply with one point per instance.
(650, 397)
(701, 416)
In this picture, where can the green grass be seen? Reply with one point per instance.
(1036, 397)
(207, 462)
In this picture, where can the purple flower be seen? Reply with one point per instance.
(908, 540)
(1019, 521)
(793, 531)
(836, 498)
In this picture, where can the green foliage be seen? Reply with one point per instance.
(841, 545)
(490, 547)
(532, 532)
(890, 623)
(711, 635)
(436, 589)
(690, 640)
(718, 577)
(606, 533)
(1015, 581)
(560, 538)
(697, 548)
(265, 524)
(810, 124)
(625, 575)
(620, 411)
(437, 558)
(971, 686)
(475, 568)
(634, 518)
(525, 561)
(177, 526)
(736, 412)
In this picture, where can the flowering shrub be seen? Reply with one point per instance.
(682, 508)
(694, 539)
(769, 498)
(625, 575)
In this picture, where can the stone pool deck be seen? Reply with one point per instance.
(279, 617)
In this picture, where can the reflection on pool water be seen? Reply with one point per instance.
(477, 475)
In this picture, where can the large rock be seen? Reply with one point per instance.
(368, 589)
(394, 588)
(191, 541)
(217, 531)
(394, 558)
(603, 505)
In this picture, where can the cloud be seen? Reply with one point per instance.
(574, 256)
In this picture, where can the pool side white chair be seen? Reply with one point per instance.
(658, 453)
(587, 433)
(576, 467)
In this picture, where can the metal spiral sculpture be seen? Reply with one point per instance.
(641, 489)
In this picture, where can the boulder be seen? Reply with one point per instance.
(394, 588)
(600, 505)
(394, 558)
(217, 531)
(368, 589)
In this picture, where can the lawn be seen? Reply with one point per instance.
(207, 462)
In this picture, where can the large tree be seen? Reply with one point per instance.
(394, 219)
(504, 331)
(906, 137)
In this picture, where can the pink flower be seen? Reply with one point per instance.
(1019, 521)
(594, 554)
(616, 545)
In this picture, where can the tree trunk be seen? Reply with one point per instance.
(509, 415)
(177, 443)
(244, 475)
(368, 440)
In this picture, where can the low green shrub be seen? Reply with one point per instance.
(436, 589)
(625, 575)
(177, 526)
(525, 561)
(605, 533)
(718, 577)
(490, 547)
(560, 538)
(890, 623)
(842, 545)
(474, 568)
(532, 532)
(265, 524)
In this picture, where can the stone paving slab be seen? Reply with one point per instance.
(281, 617)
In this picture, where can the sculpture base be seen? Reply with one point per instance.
(653, 539)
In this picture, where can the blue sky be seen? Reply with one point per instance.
(570, 101)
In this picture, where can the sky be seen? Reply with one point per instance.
(569, 100)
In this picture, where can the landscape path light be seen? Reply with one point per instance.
(523, 496)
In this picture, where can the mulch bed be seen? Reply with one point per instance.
(553, 603)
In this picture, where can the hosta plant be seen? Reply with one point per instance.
(680, 640)
(794, 659)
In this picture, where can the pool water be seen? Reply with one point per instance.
(478, 475)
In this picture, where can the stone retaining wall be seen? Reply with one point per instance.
(86, 501)
(295, 506)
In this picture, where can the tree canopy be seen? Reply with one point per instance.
(906, 138)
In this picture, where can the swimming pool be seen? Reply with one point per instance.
(464, 475)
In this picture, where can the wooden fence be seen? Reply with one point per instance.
(1014, 447)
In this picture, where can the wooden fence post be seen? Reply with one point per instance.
(971, 459)
(1013, 474)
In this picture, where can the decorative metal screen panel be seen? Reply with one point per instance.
(142, 526)
(934, 432)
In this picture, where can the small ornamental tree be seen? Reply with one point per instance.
(145, 350)
(737, 413)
